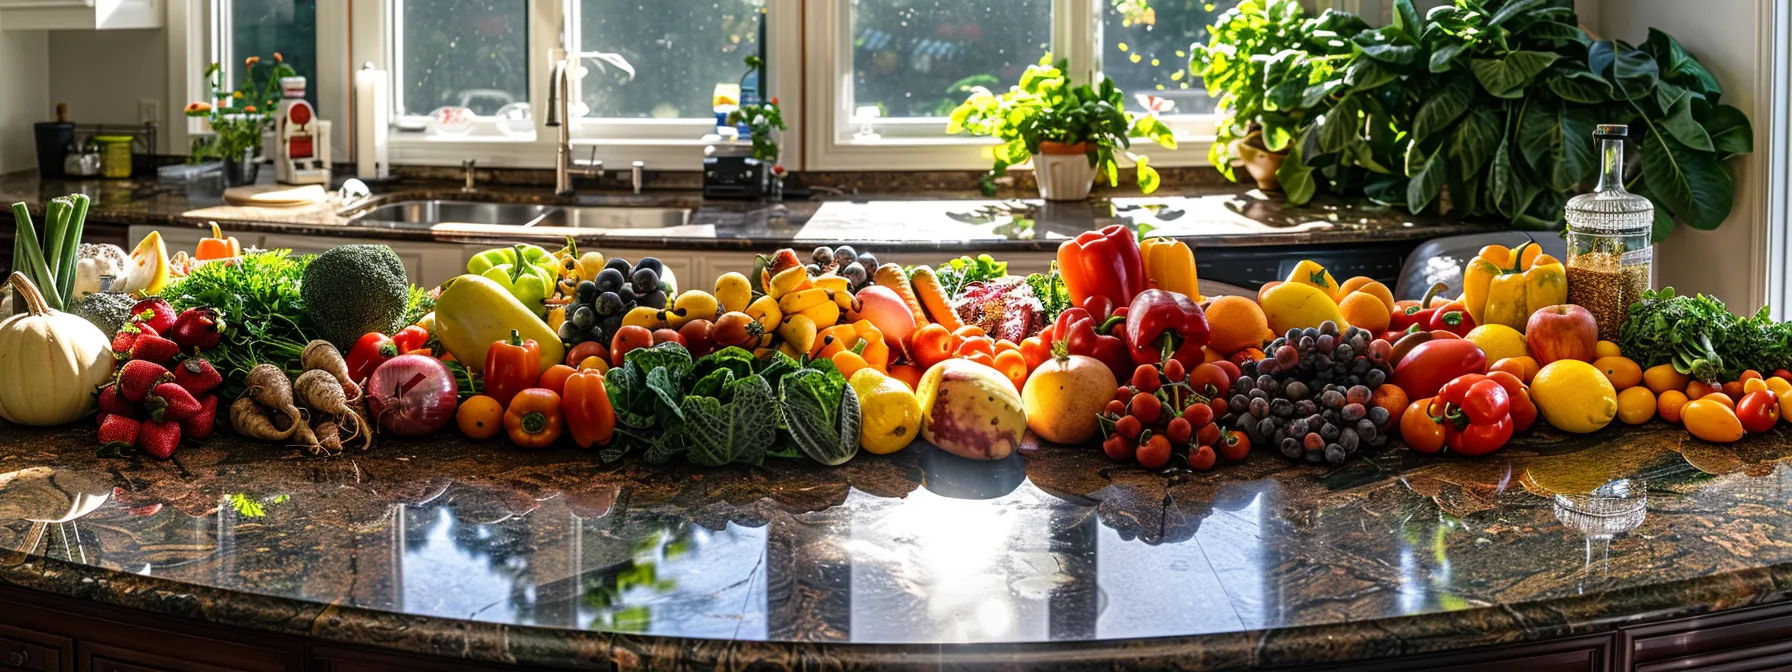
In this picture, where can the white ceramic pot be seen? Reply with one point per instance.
(1063, 171)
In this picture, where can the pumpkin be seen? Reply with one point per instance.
(50, 362)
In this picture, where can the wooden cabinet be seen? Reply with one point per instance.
(22, 649)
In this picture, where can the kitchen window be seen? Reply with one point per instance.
(454, 55)
(265, 27)
(918, 60)
(665, 59)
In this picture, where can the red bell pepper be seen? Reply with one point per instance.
(1452, 317)
(411, 339)
(1102, 263)
(586, 404)
(368, 354)
(1164, 325)
(1077, 330)
(1477, 415)
(510, 367)
(1524, 410)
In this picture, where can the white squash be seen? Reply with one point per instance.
(50, 362)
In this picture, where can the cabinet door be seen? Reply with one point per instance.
(22, 649)
(184, 238)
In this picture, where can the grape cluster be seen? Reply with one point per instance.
(1311, 398)
(851, 264)
(599, 304)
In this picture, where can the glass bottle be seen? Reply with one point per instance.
(1610, 253)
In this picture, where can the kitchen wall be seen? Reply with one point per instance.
(27, 97)
(1733, 39)
(103, 74)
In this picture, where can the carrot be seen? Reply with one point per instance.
(319, 355)
(891, 276)
(249, 419)
(933, 297)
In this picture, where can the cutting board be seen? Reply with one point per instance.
(275, 195)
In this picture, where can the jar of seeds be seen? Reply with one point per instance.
(1610, 253)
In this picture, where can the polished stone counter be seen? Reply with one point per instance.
(898, 220)
(485, 553)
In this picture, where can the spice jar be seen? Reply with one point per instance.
(115, 155)
(1610, 252)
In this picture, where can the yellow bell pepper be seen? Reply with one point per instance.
(1170, 266)
(1504, 285)
(1309, 272)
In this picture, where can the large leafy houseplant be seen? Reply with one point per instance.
(1504, 97)
(1272, 69)
(1047, 107)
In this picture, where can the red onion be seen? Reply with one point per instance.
(412, 395)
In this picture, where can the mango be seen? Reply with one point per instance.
(1294, 305)
(971, 410)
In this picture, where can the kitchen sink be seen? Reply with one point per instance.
(511, 214)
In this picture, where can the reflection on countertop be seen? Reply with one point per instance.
(895, 221)
(451, 548)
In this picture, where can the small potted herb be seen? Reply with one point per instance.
(237, 118)
(1067, 130)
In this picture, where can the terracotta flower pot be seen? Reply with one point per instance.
(1259, 161)
(1063, 171)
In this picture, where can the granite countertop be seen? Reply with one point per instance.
(921, 559)
(897, 221)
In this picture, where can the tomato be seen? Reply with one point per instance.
(667, 336)
(1431, 364)
(1712, 421)
(626, 339)
(1180, 431)
(1235, 446)
(1201, 458)
(1759, 411)
(1147, 408)
(1129, 427)
(1118, 448)
(1421, 430)
(697, 336)
(1232, 370)
(1155, 453)
(1211, 381)
(579, 353)
(1209, 434)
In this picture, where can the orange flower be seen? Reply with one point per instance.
(251, 61)
(278, 58)
(198, 109)
(249, 109)
(774, 100)
(238, 95)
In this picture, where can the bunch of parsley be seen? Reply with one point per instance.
(1702, 338)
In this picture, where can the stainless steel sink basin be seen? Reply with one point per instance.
(510, 214)
(589, 217)
(468, 212)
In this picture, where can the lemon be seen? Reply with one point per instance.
(1498, 341)
(890, 414)
(1575, 396)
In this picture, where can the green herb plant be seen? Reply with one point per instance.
(1701, 338)
(959, 273)
(237, 115)
(1272, 68)
(1047, 107)
(1049, 288)
(1503, 97)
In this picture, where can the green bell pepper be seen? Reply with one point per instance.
(531, 255)
(529, 283)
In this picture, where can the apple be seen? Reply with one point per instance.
(1561, 332)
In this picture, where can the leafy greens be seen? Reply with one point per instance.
(1701, 338)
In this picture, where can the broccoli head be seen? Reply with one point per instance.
(355, 289)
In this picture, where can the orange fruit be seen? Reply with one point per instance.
(1606, 349)
(1377, 290)
(1712, 421)
(1365, 310)
(1208, 354)
(1391, 397)
(1623, 373)
(1351, 285)
(1753, 385)
(1525, 368)
(1662, 377)
(1668, 405)
(480, 417)
(1697, 389)
(1235, 323)
(1721, 399)
(1636, 405)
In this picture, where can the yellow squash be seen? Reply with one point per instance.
(474, 312)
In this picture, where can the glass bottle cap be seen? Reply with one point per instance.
(1611, 131)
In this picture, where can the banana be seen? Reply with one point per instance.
(798, 332)
(643, 316)
(787, 281)
(695, 304)
(734, 291)
(797, 302)
(824, 314)
(833, 283)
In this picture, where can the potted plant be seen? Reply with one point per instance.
(1502, 97)
(1272, 70)
(1067, 130)
(237, 118)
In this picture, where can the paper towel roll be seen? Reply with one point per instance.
(373, 109)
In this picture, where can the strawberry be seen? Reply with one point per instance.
(119, 431)
(160, 315)
(138, 377)
(198, 376)
(172, 402)
(199, 427)
(198, 329)
(127, 336)
(159, 438)
(113, 404)
(152, 348)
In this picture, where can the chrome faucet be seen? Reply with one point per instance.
(467, 166)
(635, 176)
(560, 116)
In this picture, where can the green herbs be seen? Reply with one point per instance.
(50, 263)
(959, 273)
(730, 408)
(1044, 107)
(1049, 288)
(259, 297)
(1701, 338)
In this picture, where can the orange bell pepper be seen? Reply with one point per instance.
(589, 415)
(1103, 263)
(511, 366)
(533, 419)
(218, 246)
